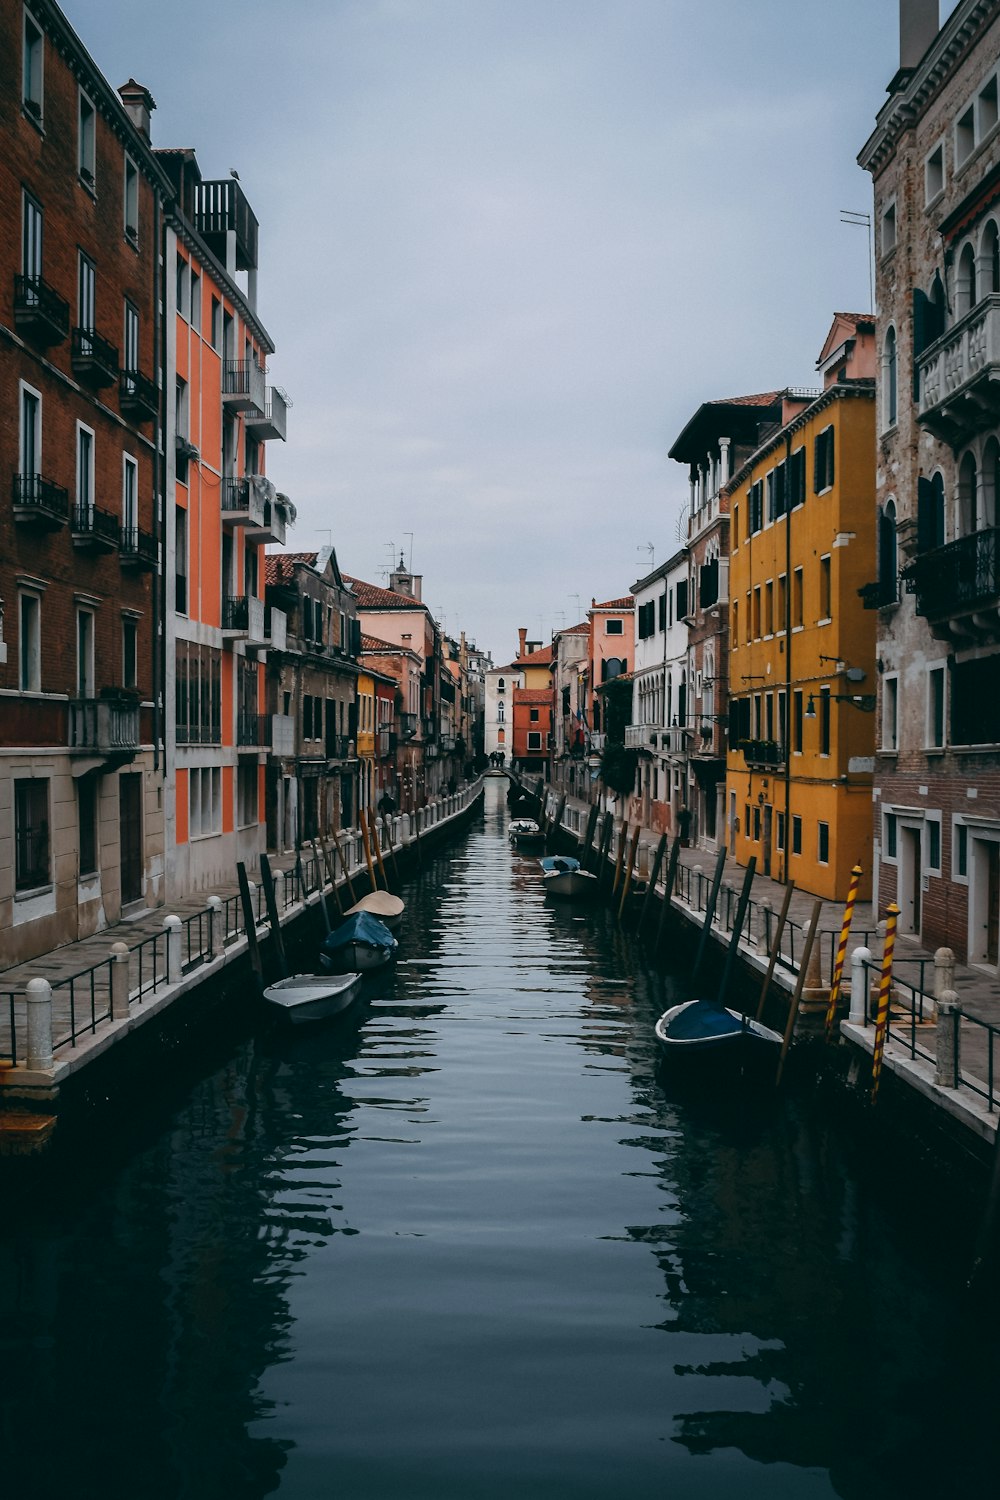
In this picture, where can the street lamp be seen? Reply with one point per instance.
(865, 701)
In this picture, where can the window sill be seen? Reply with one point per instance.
(826, 620)
(37, 120)
(33, 891)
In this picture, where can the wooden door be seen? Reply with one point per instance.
(130, 835)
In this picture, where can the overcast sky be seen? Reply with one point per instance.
(509, 246)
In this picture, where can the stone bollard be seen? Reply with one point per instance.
(860, 957)
(216, 927)
(119, 981)
(944, 975)
(947, 1038)
(694, 887)
(172, 927)
(815, 995)
(38, 997)
(764, 926)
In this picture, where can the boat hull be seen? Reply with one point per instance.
(305, 998)
(382, 904)
(570, 884)
(360, 958)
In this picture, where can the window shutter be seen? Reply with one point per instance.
(921, 335)
(925, 515)
(830, 472)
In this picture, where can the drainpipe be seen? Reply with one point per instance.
(159, 498)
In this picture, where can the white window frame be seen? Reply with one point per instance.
(534, 734)
(130, 493)
(983, 132)
(619, 627)
(130, 202)
(958, 823)
(33, 70)
(85, 634)
(822, 823)
(887, 858)
(85, 472)
(24, 389)
(934, 667)
(925, 845)
(195, 295)
(130, 628)
(888, 232)
(964, 136)
(130, 336)
(30, 680)
(86, 149)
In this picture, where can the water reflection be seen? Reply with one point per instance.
(469, 1241)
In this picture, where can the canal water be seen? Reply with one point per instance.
(469, 1244)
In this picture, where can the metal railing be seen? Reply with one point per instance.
(92, 350)
(956, 577)
(138, 546)
(138, 394)
(88, 998)
(101, 525)
(8, 1025)
(34, 299)
(41, 495)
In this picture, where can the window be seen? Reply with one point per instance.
(682, 599)
(31, 833)
(888, 243)
(888, 564)
(797, 605)
(890, 839)
(890, 379)
(934, 175)
(823, 461)
(501, 736)
(501, 716)
(247, 783)
(183, 288)
(130, 651)
(825, 591)
(31, 237)
(84, 653)
(614, 627)
(84, 473)
(646, 618)
(746, 819)
(86, 816)
(986, 108)
(935, 708)
(195, 301)
(216, 328)
(734, 529)
(755, 504)
(933, 845)
(796, 834)
(501, 685)
(769, 608)
(782, 608)
(756, 613)
(756, 824)
(31, 434)
(824, 721)
(30, 643)
(779, 833)
(823, 843)
(966, 294)
(86, 149)
(735, 629)
(797, 721)
(776, 495)
(130, 498)
(797, 478)
(181, 559)
(31, 78)
(130, 344)
(205, 802)
(533, 715)
(131, 202)
(959, 851)
(534, 740)
(965, 135)
(86, 280)
(890, 713)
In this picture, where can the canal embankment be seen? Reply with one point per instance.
(84, 1018)
(942, 1040)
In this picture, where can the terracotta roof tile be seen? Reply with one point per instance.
(370, 596)
(279, 567)
(532, 695)
(540, 658)
(373, 643)
(628, 602)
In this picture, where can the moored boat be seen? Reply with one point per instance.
(704, 1026)
(361, 944)
(524, 833)
(562, 875)
(313, 997)
(382, 904)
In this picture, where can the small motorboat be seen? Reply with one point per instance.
(382, 904)
(524, 833)
(360, 945)
(313, 997)
(704, 1026)
(564, 876)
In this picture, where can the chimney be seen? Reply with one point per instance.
(139, 105)
(919, 23)
(522, 636)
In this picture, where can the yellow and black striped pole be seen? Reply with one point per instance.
(838, 968)
(885, 986)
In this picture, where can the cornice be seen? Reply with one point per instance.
(853, 389)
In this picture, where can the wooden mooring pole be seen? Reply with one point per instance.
(250, 924)
(668, 888)
(373, 829)
(343, 865)
(793, 1009)
(713, 897)
(629, 867)
(620, 856)
(661, 850)
(602, 858)
(586, 851)
(775, 948)
(277, 937)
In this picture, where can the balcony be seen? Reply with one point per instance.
(39, 502)
(273, 527)
(138, 549)
(243, 501)
(339, 747)
(959, 375)
(408, 725)
(243, 387)
(275, 628)
(95, 530)
(880, 594)
(220, 210)
(253, 731)
(272, 422)
(138, 396)
(282, 739)
(94, 359)
(243, 618)
(104, 727)
(40, 314)
(597, 742)
(763, 755)
(957, 586)
(642, 736)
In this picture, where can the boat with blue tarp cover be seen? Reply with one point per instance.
(706, 1026)
(360, 944)
(562, 875)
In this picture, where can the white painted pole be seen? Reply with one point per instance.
(38, 995)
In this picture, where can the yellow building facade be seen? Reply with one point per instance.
(802, 665)
(367, 794)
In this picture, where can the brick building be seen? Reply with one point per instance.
(81, 792)
(934, 157)
(399, 753)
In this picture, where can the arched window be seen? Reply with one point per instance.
(968, 496)
(500, 712)
(887, 556)
(965, 283)
(890, 376)
(500, 684)
(937, 302)
(989, 259)
(937, 510)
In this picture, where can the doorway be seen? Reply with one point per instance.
(130, 836)
(910, 876)
(984, 902)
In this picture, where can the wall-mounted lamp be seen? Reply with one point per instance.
(865, 701)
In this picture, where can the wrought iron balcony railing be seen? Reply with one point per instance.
(880, 594)
(94, 358)
(765, 753)
(138, 548)
(96, 528)
(39, 502)
(958, 578)
(39, 311)
(138, 395)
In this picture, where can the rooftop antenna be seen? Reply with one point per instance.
(409, 564)
(651, 549)
(863, 221)
(577, 598)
